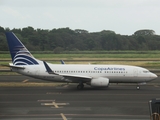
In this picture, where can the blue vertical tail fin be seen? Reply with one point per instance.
(19, 53)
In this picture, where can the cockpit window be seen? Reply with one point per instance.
(145, 71)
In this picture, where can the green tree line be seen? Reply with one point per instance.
(65, 39)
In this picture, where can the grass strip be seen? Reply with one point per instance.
(29, 84)
(73, 56)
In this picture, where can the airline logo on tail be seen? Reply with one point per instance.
(19, 53)
(23, 57)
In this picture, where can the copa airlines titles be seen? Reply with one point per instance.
(108, 68)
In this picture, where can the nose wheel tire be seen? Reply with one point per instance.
(138, 88)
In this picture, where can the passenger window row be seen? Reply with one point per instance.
(90, 71)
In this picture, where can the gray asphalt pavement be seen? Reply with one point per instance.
(21, 78)
(118, 102)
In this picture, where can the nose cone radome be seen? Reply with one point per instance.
(153, 76)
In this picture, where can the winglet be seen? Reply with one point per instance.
(48, 68)
(62, 62)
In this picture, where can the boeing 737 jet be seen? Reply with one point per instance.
(24, 63)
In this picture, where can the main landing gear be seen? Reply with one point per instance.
(80, 86)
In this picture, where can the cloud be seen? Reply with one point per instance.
(14, 13)
(11, 12)
(122, 16)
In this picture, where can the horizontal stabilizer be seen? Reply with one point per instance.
(14, 66)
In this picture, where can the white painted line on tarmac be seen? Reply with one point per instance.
(24, 81)
(54, 93)
(45, 100)
(63, 116)
(56, 105)
(65, 85)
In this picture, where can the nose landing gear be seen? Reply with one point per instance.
(138, 87)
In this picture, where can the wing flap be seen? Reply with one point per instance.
(76, 78)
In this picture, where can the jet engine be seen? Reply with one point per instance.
(100, 82)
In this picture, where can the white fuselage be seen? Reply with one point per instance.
(115, 73)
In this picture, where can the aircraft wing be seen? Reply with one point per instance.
(69, 77)
(76, 78)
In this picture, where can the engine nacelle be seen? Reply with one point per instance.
(100, 82)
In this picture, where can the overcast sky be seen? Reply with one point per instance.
(122, 16)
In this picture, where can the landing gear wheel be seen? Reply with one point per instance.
(80, 87)
(138, 88)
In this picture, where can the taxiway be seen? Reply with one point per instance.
(67, 103)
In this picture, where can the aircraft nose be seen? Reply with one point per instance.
(153, 76)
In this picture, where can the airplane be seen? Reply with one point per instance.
(23, 62)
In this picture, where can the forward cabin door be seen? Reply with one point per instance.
(135, 72)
